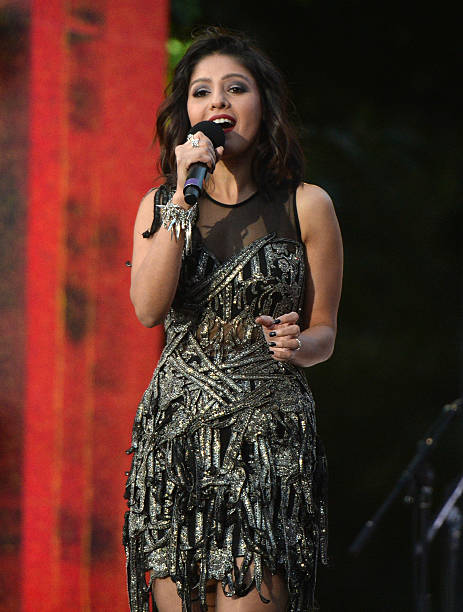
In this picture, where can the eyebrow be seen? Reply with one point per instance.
(226, 76)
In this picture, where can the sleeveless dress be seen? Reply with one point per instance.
(226, 460)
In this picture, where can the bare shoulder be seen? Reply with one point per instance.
(315, 210)
(145, 211)
(313, 200)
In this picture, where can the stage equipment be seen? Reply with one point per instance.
(419, 477)
(450, 516)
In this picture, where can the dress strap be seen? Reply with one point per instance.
(296, 217)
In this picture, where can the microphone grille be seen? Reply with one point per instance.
(210, 129)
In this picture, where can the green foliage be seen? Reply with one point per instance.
(175, 50)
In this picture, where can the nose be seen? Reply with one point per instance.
(218, 99)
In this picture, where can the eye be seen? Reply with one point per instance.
(200, 92)
(237, 88)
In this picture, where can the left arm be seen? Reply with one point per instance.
(322, 238)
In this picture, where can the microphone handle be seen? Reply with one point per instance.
(194, 183)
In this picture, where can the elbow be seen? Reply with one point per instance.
(147, 321)
(330, 342)
(320, 356)
(329, 347)
(326, 342)
(328, 352)
(148, 317)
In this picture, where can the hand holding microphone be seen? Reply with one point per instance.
(203, 152)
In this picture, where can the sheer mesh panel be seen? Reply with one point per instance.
(227, 228)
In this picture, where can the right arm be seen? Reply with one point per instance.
(156, 261)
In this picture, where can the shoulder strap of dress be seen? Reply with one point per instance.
(296, 216)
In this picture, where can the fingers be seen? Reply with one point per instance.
(284, 348)
(281, 335)
(202, 152)
(206, 151)
(287, 330)
(218, 153)
(287, 353)
(284, 343)
(278, 340)
(290, 317)
(265, 320)
(286, 319)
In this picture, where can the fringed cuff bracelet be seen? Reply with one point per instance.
(175, 219)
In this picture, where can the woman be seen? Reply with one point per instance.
(226, 489)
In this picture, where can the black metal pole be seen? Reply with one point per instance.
(445, 510)
(453, 544)
(450, 516)
(424, 448)
(425, 479)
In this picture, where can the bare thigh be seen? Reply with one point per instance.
(273, 588)
(166, 596)
(167, 599)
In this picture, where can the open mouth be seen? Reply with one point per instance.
(226, 123)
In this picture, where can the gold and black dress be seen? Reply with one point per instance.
(226, 461)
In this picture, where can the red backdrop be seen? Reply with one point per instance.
(97, 75)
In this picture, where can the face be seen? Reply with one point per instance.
(224, 91)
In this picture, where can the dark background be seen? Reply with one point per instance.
(376, 90)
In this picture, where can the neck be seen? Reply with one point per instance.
(232, 181)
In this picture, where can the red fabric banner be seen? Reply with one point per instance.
(97, 76)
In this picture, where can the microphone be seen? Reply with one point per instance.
(197, 172)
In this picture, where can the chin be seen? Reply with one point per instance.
(233, 149)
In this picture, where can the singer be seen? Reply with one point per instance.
(227, 489)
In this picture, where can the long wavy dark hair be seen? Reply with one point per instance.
(279, 160)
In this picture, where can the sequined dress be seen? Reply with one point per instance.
(226, 460)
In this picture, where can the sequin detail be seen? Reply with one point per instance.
(226, 461)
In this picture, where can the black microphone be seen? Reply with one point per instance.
(197, 172)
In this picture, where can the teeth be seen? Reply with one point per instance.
(223, 120)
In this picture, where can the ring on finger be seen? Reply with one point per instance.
(194, 141)
(299, 343)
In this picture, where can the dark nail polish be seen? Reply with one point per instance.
(272, 334)
(276, 321)
(272, 343)
(271, 352)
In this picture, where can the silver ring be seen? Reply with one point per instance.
(194, 141)
(300, 345)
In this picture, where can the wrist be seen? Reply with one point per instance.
(178, 199)
(179, 219)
